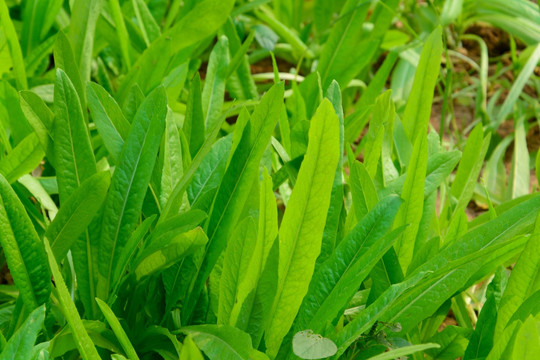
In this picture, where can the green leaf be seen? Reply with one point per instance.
(74, 156)
(406, 350)
(40, 117)
(330, 235)
(308, 345)
(222, 342)
(20, 345)
(85, 345)
(14, 47)
(129, 184)
(468, 170)
(38, 18)
(244, 309)
(109, 119)
(23, 250)
(235, 267)
(214, 83)
(340, 59)
(301, 230)
(23, 159)
(149, 28)
(411, 211)
(523, 282)
(234, 188)
(194, 121)
(338, 279)
(190, 351)
(81, 33)
(164, 254)
(520, 175)
(64, 59)
(117, 329)
(481, 341)
(76, 213)
(417, 111)
(517, 88)
(453, 341)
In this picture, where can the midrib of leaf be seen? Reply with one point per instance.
(115, 239)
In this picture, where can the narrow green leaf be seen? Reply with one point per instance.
(64, 58)
(517, 88)
(109, 119)
(520, 175)
(402, 351)
(14, 47)
(235, 267)
(76, 213)
(85, 345)
(23, 249)
(40, 117)
(243, 310)
(300, 234)
(129, 184)
(214, 84)
(523, 282)
(20, 345)
(81, 33)
(194, 121)
(160, 256)
(417, 111)
(468, 169)
(74, 156)
(340, 59)
(411, 211)
(117, 329)
(121, 31)
(23, 159)
(145, 20)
